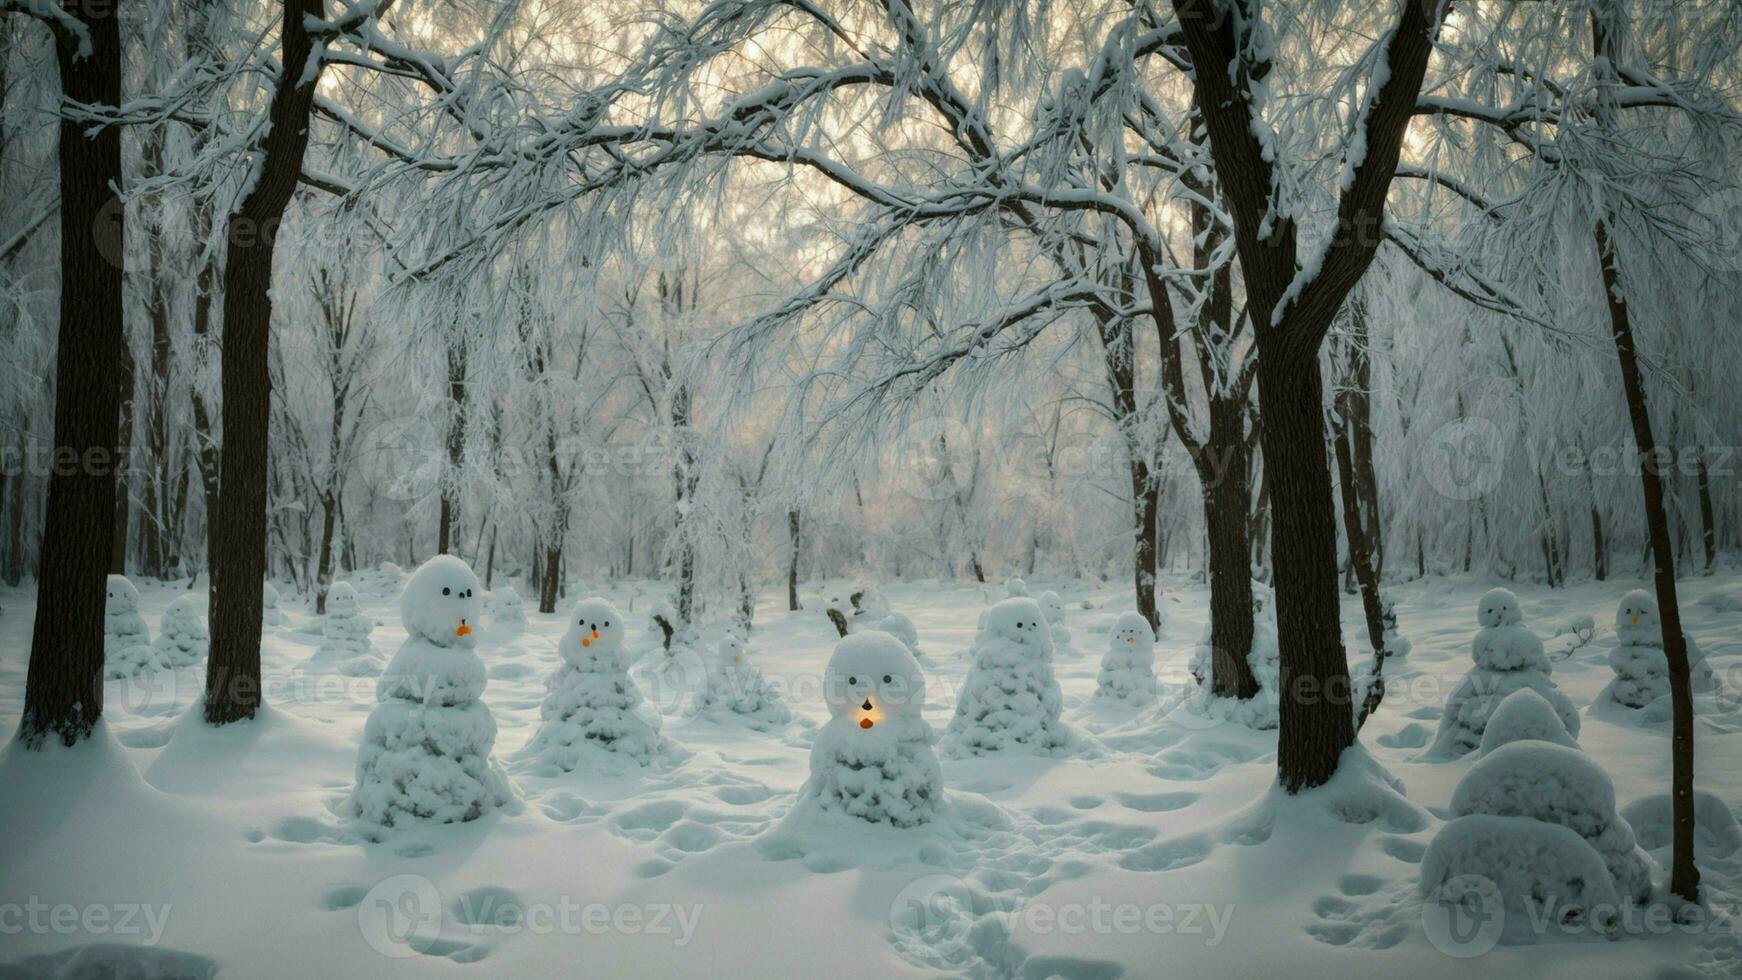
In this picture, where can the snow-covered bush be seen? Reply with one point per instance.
(426, 747)
(873, 759)
(1509, 657)
(506, 609)
(126, 640)
(270, 615)
(736, 691)
(1010, 699)
(1525, 715)
(1716, 832)
(345, 635)
(181, 637)
(902, 628)
(1053, 608)
(1262, 711)
(1128, 666)
(1558, 785)
(1640, 664)
(592, 707)
(1539, 868)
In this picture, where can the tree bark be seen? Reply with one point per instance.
(1708, 518)
(63, 693)
(456, 443)
(123, 460)
(239, 564)
(792, 527)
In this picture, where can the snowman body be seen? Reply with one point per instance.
(1010, 699)
(873, 758)
(1128, 666)
(182, 639)
(592, 707)
(126, 640)
(345, 635)
(735, 691)
(1641, 666)
(1053, 608)
(1509, 658)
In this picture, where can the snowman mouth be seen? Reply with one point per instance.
(866, 723)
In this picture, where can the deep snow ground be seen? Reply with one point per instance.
(1159, 849)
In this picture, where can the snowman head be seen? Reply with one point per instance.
(1018, 620)
(121, 595)
(1131, 632)
(342, 599)
(1636, 619)
(731, 650)
(871, 678)
(441, 602)
(595, 630)
(185, 608)
(1053, 607)
(1499, 608)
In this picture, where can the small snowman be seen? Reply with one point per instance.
(182, 638)
(1054, 609)
(902, 628)
(592, 706)
(126, 640)
(1640, 664)
(1509, 657)
(736, 691)
(269, 612)
(873, 759)
(1010, 699)
(507, 609)
(425, 756)
(1128, 667)
(345, 636)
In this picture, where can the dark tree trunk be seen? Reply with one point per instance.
(324, 570)
(549, 577)
(490, 559)
(792, 527)
(63, 692)
(1599, 549)
(1146, 491)
(1227, 503)
(1708, 519)
(450, 506)
(14, 571)
(123, 461)
(239, 563)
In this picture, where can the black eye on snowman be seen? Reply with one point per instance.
(852, 682)
(888, 679)
(446, 590)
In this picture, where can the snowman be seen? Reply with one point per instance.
(126, 640)
(182, 638)
(1010, 699)
(1640, 664)
(902, 628)
(345, 635)
(1509, 657)
(1128, 666)
(873, 758)
(426, 747)
(1053, 608)
(269, 613)
(736, 691)
(507, 609)
(592, 706)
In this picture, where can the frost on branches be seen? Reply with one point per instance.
(426, 747)
(1640, 664)
(345, 635)
(735, 691)
(592, 708)
(1010, 699)
(181, 638)
(873, 759)
(1509, 657)
(126, 641)
(1128, 666)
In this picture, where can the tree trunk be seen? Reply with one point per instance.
(324, 569)
(1146, 494)
(490, 559)
(1708, 519)
(14, 571)
(792, 565)
(123, 461)
(63, 693)
(1227, 504)
(549, 577)
(450, 506)
(239, 563)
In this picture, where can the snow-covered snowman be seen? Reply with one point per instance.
(1509, 657)
(1010, 699)
(592, 706)
(902, 628)
(1128, 666)
(126, 640)
(182, 638)
(873, 759)
(507, 609)
(345, 636)
(426, 747)
(1641, 666)
(269, 612)
(1053, 608)
(735, 690)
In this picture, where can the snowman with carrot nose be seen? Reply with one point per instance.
(593, 710)
(874, 760)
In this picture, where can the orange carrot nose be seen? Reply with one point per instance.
(1636, 619)
(865, 723)
(1132, 640)
(586, 641)
(595, 634)
(462, 629)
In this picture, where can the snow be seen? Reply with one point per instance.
(126, 640)
(1263, 710)
(736, 692)
(1128, 666)
(1010, 699)
(1509, 658)
(1524, 715)
(506, 609)
(345, 635)
(1176, 826)
(1640, 664)
(270, 614)
(592, 708)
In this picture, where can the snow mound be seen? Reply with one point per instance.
(593, 711)
(506, 609)
(1128, 666)
(1262, 711)
(1558, 785)
(1534, 867)
(873, 759)
(1525, 715)
(1716, 833)
(735, 691)
(382, 582)
(1010, 698)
